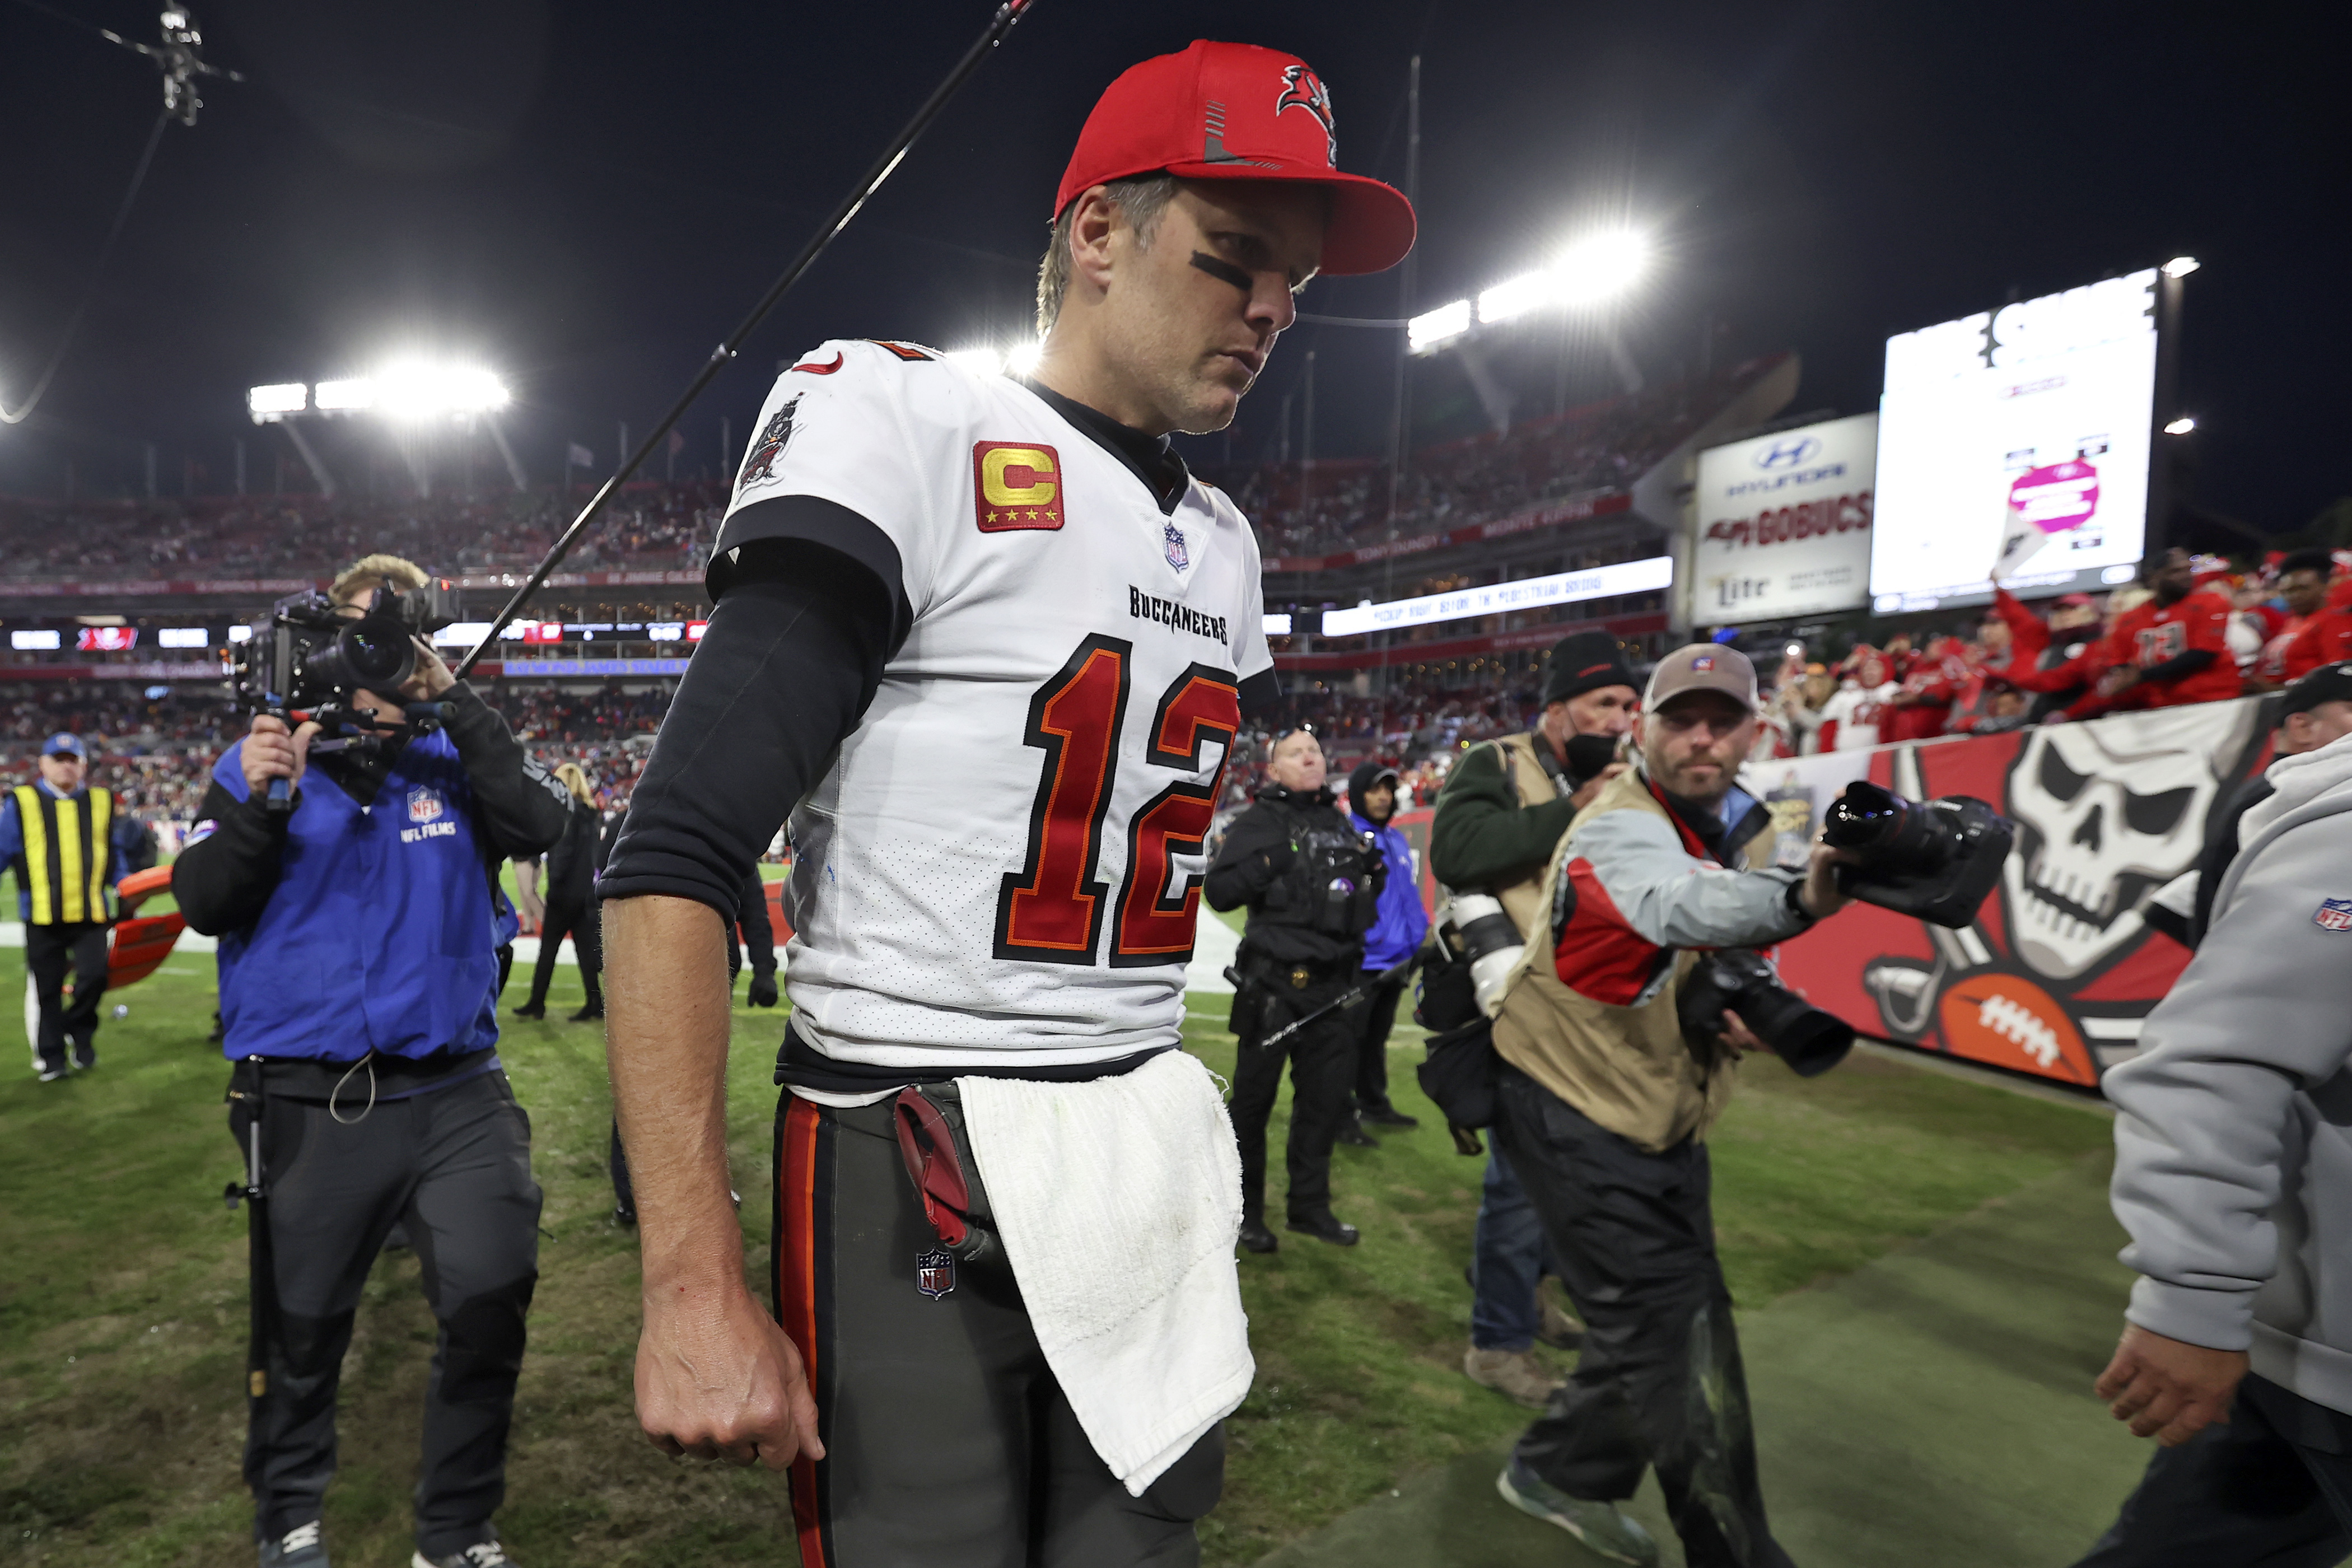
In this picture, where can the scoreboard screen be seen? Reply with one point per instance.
(2016, 442)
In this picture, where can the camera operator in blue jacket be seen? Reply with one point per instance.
(359, 978)
(1396, 935)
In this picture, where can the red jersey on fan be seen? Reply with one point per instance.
(1929, 684)
(2325, 639)
(2156, 632)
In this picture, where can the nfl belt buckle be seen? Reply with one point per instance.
(935, 1272)
(1298, 978)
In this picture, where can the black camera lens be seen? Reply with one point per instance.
(378, 651)
(374, 652)
(1864, 818)
(1890, 833)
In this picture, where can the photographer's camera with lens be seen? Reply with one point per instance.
(1935, 860)
(1738, 979)
(1477, 935)
(310, 655)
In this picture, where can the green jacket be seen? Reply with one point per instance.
(1481, 836)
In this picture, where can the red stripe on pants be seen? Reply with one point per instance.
(796, 1294)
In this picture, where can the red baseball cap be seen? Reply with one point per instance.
(1236, 112)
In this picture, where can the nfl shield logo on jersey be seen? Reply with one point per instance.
(2333, 914)
(1179, 555)
(424, 804)
(935, 1272)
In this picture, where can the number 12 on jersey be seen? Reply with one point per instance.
(1052, 910)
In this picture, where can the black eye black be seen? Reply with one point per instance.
(2058, 778)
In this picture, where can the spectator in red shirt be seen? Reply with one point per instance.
(2172, 650)
(1920, 709)
(2303, 584)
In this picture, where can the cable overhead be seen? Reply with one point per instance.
(1008, 13)
(180, 56)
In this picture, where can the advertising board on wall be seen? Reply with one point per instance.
(2021, 436)
(1783, 523)
(2058, 970)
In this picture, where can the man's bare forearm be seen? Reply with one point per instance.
(667, 1015)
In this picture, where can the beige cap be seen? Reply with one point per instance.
(1702, 667)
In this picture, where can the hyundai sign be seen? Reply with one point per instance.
(2017, 437)
(1783, 523)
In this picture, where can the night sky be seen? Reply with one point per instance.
(587, 197)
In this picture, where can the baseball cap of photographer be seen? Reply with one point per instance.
(1702, 667)
(1236, 112)
(66, 743)
(2328, 683)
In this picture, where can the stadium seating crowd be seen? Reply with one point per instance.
(286, 536)
(1337, 506)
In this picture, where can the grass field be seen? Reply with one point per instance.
(122, 1299)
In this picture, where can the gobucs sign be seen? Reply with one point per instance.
(1782, 524)
(2060, 966)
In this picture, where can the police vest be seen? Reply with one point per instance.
(378, 936)
(68, 852)
(1327, 886)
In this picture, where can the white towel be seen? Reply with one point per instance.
(1119, 1203)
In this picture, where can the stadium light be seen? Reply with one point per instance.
(1442, 325)
(2181, 426)
(269, 405)
(2181, 266)
(346, 397)
(1518, 297)
(415, 391)
(1597, 267)
(1019, 360)
(1600, 266)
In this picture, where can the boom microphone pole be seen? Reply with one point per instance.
(1007, 12)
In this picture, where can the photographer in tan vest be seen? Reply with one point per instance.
(1604, 1103)
(1501, 815)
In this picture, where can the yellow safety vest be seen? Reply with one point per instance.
(68, 849)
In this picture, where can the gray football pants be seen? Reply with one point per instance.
(947, 1439)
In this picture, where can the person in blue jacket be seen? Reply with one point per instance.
(1397, 931)
(359, 973)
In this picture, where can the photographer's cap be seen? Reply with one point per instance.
(1702, 667)
(1236, 112)
(66, 743)
(2328, 683)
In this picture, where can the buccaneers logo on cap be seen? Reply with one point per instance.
(1302, 89)
(760, 466)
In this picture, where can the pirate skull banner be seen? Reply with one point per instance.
(2060, 966)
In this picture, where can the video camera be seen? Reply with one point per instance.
(1736, 978)
(311, 654)
(1935, 861)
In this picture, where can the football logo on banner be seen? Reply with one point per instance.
(2057, 972)
(1015, 484)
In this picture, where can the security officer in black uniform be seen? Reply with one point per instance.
(1312, 885)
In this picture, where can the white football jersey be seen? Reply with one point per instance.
(1002, 866)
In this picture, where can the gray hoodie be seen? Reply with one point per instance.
(2234, 1137)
